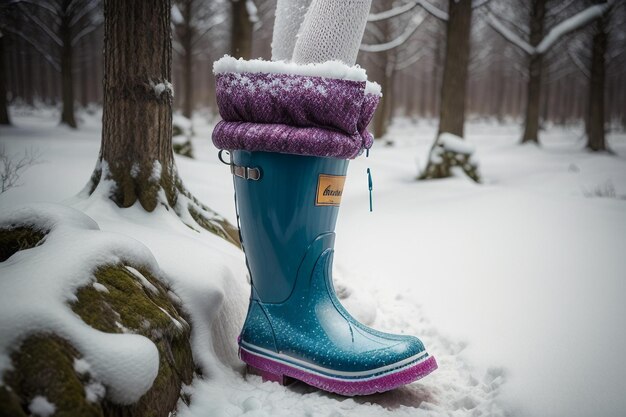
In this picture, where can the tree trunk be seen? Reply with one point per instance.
(136, 149)
(241, 30)
(4, 113)
(443, 158)
(383, 113)
(186, 40)
(452, 110)
(595, 120)
(67, 84)
(535, 64)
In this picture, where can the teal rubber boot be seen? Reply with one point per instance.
(296, 327)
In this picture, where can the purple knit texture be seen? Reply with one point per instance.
(293, 114)
(275, 371)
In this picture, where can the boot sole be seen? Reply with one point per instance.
(349, 383)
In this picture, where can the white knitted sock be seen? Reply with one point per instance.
(289, 17)
(332, 31)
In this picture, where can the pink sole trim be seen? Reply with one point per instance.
(274, 371)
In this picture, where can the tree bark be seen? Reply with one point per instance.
(595, 120)
(4, 113)
(442, 159)
(452, 110)
(67, 83)
(241, 30)
(136, 149)
(535, 66)
(186, 40)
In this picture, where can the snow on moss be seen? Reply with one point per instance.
(38, 284)
(41, 407)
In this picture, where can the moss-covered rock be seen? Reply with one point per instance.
(44, 366)
(16, 239)
(123, 300)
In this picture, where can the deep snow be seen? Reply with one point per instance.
(515, 285)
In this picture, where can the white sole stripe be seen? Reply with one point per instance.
(328, 373)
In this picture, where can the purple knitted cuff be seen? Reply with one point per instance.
(279, 107)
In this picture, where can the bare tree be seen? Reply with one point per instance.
(4, 112)
(193, 20)
(136, 150)
(13, 166)
(540, 15)
(244, 16)
(57, 27)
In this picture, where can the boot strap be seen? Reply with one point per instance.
(246, 173)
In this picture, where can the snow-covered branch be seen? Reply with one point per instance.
(410, 61)
(415, 23)
(434, 11)
(86, 31)
(568, 25)
(396, 11)
(216, 21)
(88, 8)
(41, 25)
(557, 32)
(35, 45)
(388, 14)
(509, 35)
(478, 3)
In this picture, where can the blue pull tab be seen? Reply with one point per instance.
(367, 153)
(370, 185)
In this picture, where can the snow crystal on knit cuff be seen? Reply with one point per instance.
(314, 109)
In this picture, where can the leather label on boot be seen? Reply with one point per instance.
(329, 190)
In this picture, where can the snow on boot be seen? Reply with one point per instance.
(291, 130)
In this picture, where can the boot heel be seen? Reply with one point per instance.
(267, 376)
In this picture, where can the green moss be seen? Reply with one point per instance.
(139, 310)
(16, 239)
(44, 365)
(10, 403)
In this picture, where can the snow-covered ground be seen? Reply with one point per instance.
(516, 285)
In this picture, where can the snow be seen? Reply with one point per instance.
(578, 20)
(505, 282)
(557, 32)
(177, 16)
(144, 280)
(41, 407)
(81, 366)
(163, 87)
(328, 69)
(509, 35)
(413, 25)
(94, 392)
(36, 287)
(393, 12)
(99, 287)
(456, 144)
(253, 13)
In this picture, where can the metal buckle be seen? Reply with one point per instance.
(246, 173)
